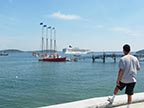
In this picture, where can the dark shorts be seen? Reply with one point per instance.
(129, 87)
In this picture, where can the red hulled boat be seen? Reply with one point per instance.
(52, 58)
(53, 55)
(62, 59)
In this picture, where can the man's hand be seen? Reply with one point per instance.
(118, 83)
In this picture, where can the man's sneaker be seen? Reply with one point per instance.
(110, 100)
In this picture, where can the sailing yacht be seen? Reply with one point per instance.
(53, 55)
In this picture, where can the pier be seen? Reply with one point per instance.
(104, 56)
(114, 56)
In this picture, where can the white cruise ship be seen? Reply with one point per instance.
(75, 51)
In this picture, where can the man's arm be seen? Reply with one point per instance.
(138, 68)
(120, 74)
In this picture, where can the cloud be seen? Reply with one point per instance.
(128, 31)
(60, 15)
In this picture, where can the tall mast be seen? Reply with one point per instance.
(42, 37)
(54, 39)
(51, 40)
(43, 44)
(47, 38)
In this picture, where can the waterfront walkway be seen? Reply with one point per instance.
(101, 102)
(134, 105)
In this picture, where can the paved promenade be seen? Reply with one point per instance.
(134, 105)
(101, 102)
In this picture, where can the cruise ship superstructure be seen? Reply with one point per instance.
(75, 51)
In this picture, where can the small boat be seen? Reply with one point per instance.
(3, 53)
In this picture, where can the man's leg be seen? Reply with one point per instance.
(116, 90)
(129, 92)
(129, 101)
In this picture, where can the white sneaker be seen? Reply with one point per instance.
(110, 100)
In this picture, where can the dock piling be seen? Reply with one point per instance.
(104, 56)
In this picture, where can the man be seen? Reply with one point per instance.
(128, 67)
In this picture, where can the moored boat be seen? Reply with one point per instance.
(3, 53)
(53, 55)
(61, 59)
(49, 58)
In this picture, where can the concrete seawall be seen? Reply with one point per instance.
(100, 102)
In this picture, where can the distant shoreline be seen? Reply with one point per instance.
(17, 50)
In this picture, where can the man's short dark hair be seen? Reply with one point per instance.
(126, 48)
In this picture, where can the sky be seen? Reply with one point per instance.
(98, 25)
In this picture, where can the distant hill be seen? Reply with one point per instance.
(140, 51)
(19, 51)
(11, 50)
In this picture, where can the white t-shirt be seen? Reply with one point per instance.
(129, 65)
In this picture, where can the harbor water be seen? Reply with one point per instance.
(26, 82)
